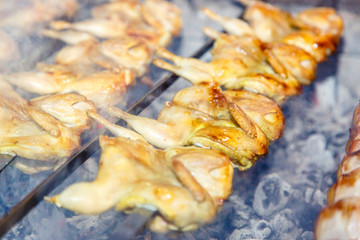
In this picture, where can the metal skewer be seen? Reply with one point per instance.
(5, 160)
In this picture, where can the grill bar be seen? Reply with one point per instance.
(5, 160)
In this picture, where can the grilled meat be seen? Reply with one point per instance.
(185, 185)
(244, 107)
(339, 220)
(102, 87)
(181, 126)
(43, 128)
(316, 30)
(234, 66)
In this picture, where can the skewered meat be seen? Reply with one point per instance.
(340, 219)
(113, 54)
(268, 22)
(322, 20)
(242, 53)
(85, 51)
(76, 58)
(134, 174)
(238, 123)
(53, 80)
(284, 58)
(99, 27)
(219, 185)
(12, 101)
(245, 107)
(179, 126)
(155, 21)
(185, 185)
(125, 52)
(126, 11)
(70, 37)
(290, 60)
(315, 41)
(315, 30)
(35, 13)
(230, 70)
(317, 45)
(44, 128)
(279, 67)
(102, 88)
(163, 16)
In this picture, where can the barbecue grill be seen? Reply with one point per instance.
(279, 198)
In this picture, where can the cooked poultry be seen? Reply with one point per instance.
(77, 58)
(131, 30)
(70, 109)
(125, 52)
(284, 58)
(44, 128)
(245, 107)
(53, 79)
(125, 11)
(318, 46)
(340, 219)
(99, 27)
(219, 189)
(113, 54)
(276, 68)
(155, 21)
(103, 88)
(238, 123)
(70, 37)
(12, 101)
(237, 63)
(243, 53)
(162, 16)
(35, 13)
(316, 30)
(321, 20)
(185, 185)
(180, 126)
(269, 23)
